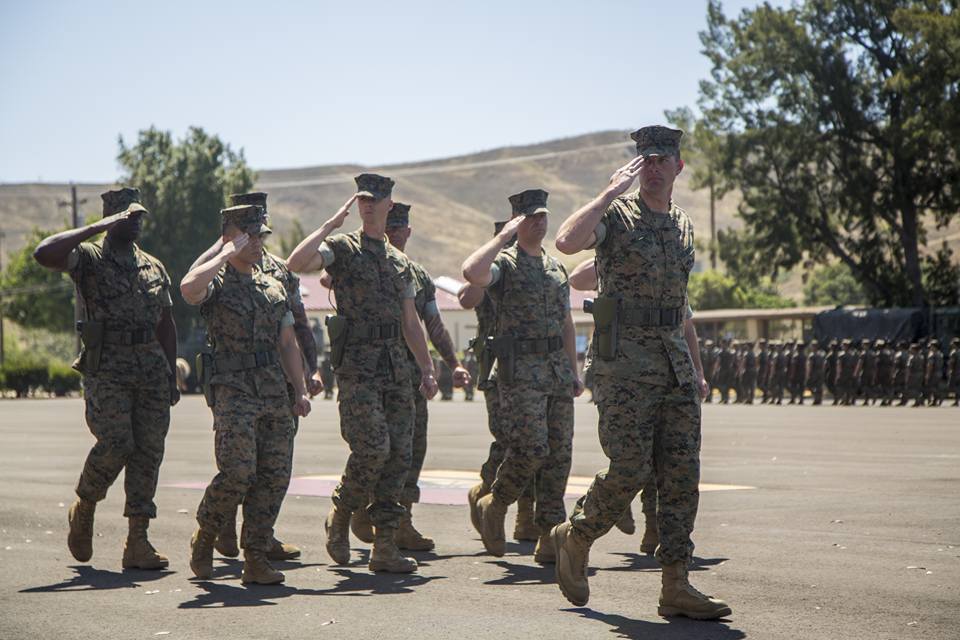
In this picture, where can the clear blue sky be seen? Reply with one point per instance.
(306, 83)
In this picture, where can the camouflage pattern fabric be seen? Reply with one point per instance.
(953, 373)
(426, 293)
(846, 367)
(749, 379)
(640, 424)
(816, 366)
(885, 366)
(644, 259)
(370, 280)
(125, 292)
(252, 417)
(657, 140)
(647, 400)
(276, 268)
(254, 452)
(532, 298)
(915, 371)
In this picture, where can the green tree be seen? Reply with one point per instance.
(183, 184)
(833, 285)
(840, 124)
(941, 278)
(714, 290)
(35, 297)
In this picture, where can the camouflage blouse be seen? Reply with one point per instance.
(126, 292)
(645, 257)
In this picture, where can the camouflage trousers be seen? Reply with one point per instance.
(498, 448)
(538, 431)
(376, 421)
(253, 445)
(418, 449)
(130, 424)
(646, 429)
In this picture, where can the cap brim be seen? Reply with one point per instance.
(535, 211)
(258, 230)
(657, 151)
(136, 207)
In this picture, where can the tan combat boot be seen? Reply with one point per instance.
(80, 538)
(572, 556)
(473, 497)
(651, 538)
(361, 525)
(407, 537)
(138, 553)
(679, 598)
(626, 523)
(257, 569)
(282, 551)
(545, 553)
(386, 557)
(337, 528)
(201, 553)
(492, 514)
(525, 529)
(226, 542)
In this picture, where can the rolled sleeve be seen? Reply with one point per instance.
(326, 254)
(286, 320)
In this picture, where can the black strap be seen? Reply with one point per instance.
(652, 317)
(232, 362)
(538, 345)
(373, 331)
(139, 336)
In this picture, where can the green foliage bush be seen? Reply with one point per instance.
(25, 375)
(62, 379)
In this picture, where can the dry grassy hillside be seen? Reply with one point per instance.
(455, 200)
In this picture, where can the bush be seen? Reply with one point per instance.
(25, 375)
(62, 379)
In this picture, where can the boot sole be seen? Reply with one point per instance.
(202, 575)
(416, 547)
(145, 567)
(78, 556)
(669, 612)
(343, 559)
(383, 567)
(363, 534)
(280, 557)
(557, 545)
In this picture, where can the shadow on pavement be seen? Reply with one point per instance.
(352, 583)
(521, 574)
(88, 578)
(640, 562)
(665, 629)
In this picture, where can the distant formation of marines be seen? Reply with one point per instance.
(868, 372)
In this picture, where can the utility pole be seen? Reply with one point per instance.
(713, 227)
(75, 221)
(2, 355)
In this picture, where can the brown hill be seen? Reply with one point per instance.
(455, 200)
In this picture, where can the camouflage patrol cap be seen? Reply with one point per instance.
(249, 218)
(498, 227)
(529, 202)
(374, 186)
(122, 199)
(399, 216)
(657, 140)
(258, 198)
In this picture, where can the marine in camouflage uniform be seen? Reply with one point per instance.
(536, 371)
(708, 357)
(749, 376)
(128, 367)
(425, 302)
(255, 354)
(763, 359)
(933, 378)
(868, 372)
(833, 352)
(376, 321)
(525, 528)
(648, 393)
(275, 267)
(847, 364)
(914, 376)
(953, 371)
(884, 373)
(798, 373)
(816, 371)
(727, 374)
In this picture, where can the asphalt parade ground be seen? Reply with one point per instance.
(815, 523)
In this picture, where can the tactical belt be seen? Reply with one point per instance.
(537, 345)
(140, 336)
(652, 317)
(373, 331)
(231, 362)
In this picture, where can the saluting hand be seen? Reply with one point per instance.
(236, 245)
(344, 211)
(623, 177)
(510, 229)
(115, 219)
